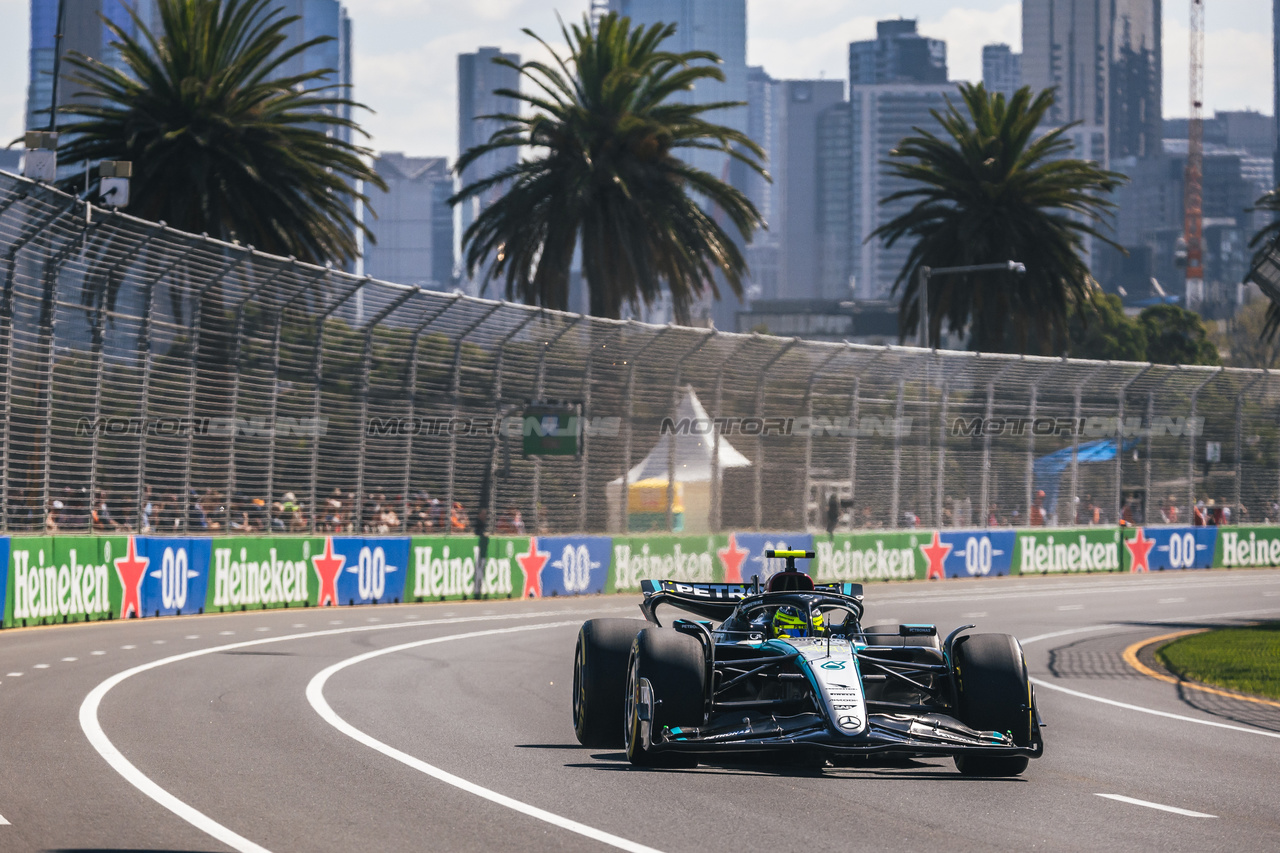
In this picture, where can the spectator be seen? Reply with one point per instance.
(1035, 516)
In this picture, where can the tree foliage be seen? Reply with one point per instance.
(1176, 335)
(606, 130)
(1100, 329)
(986, 190)
(220, 142)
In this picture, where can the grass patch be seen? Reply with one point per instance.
(1244, 659)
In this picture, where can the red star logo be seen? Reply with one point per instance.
(936, 554)
(731, 558)
(130, 569)
(1140, 547)
(531, 564)
(328, 567)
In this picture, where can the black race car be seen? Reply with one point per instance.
(790, 672)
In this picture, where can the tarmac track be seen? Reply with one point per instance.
(447, 727)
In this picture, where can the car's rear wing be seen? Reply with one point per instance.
(718, 600)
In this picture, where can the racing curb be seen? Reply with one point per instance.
(1131, 657)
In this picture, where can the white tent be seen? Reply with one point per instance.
(695, 451)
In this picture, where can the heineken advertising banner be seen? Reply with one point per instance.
(1056, 550)
(78, 578)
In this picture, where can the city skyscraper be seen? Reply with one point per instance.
(84, 32)
(414, 226)
(1105, 61)
(1001, 69)
(881, 116)
(478, 77)
(898, 54)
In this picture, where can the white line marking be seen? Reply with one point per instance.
(191, 637)
(69, 660)
(299, 625)
(92, 728)
(41, 666)
(13, 675)
(99, 652)
(977, 614)
(157, 642)
(1042, 683)
(315, 695)
(262, 628)
(1271, 594)
(225, 633)
(128, 647)
(1071, 607)
(1170, 601)
(4, 822)
(1174, 809)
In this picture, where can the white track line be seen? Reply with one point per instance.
(4, 822)
(98, 738)
(1150, 805)
(1215, 724)
(315, 695)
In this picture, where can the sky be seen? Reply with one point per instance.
(406, 51)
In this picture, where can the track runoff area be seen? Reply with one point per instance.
(447, 727)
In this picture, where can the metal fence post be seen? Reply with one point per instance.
(717, 489)
(237, 357)
(1240, 441)
(707, 335)
(1075, 444)
(584, 446)
(456, 395)
(411, 394)
(274, 396)
(984, 493)
(895, 501)
(317, 378)
(758, 514)
(497, 400)
(632, 361)
(855, 413)
(1191, 442)
(197, 324)
(366, 366)
(1120, 434)
(1151, 413)
(939, 498)
(808, 439)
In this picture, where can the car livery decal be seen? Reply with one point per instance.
(834, 671)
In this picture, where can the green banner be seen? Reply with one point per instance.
(679, 558)
(444, 568)
(1057, 550)
(869, 556)
(1247, 546)
(251, 574)
(63, 579)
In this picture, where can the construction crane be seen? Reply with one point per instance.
(1193, 202)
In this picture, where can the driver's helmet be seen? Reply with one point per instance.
(788, 621)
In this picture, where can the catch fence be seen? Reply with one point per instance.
(159, 381)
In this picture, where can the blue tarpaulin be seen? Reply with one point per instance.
(1048, 468)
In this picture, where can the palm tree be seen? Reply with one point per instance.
(605, 133)
(220, 142)
(986, 191)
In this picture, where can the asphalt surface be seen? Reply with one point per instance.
(466, 743)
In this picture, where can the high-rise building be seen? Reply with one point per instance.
(764, 128)
(881, 116)
(478, 79)
(1275, 79)
(1105, 61)
(898, 54)
(835, 202)
(414, 226)
(84, 32)
(1001, 69)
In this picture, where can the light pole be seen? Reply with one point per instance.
(924, 273)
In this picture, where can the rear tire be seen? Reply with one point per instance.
(600, 679)
(994, 694)
(675, 667)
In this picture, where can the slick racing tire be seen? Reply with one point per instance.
(600, 679)
(674, 665)
(994, 694)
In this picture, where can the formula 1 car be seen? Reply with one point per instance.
(788, 672)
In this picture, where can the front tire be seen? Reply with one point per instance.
(994, 694)
(674, 665)
(600, 679)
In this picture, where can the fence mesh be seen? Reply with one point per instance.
(161, 381)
